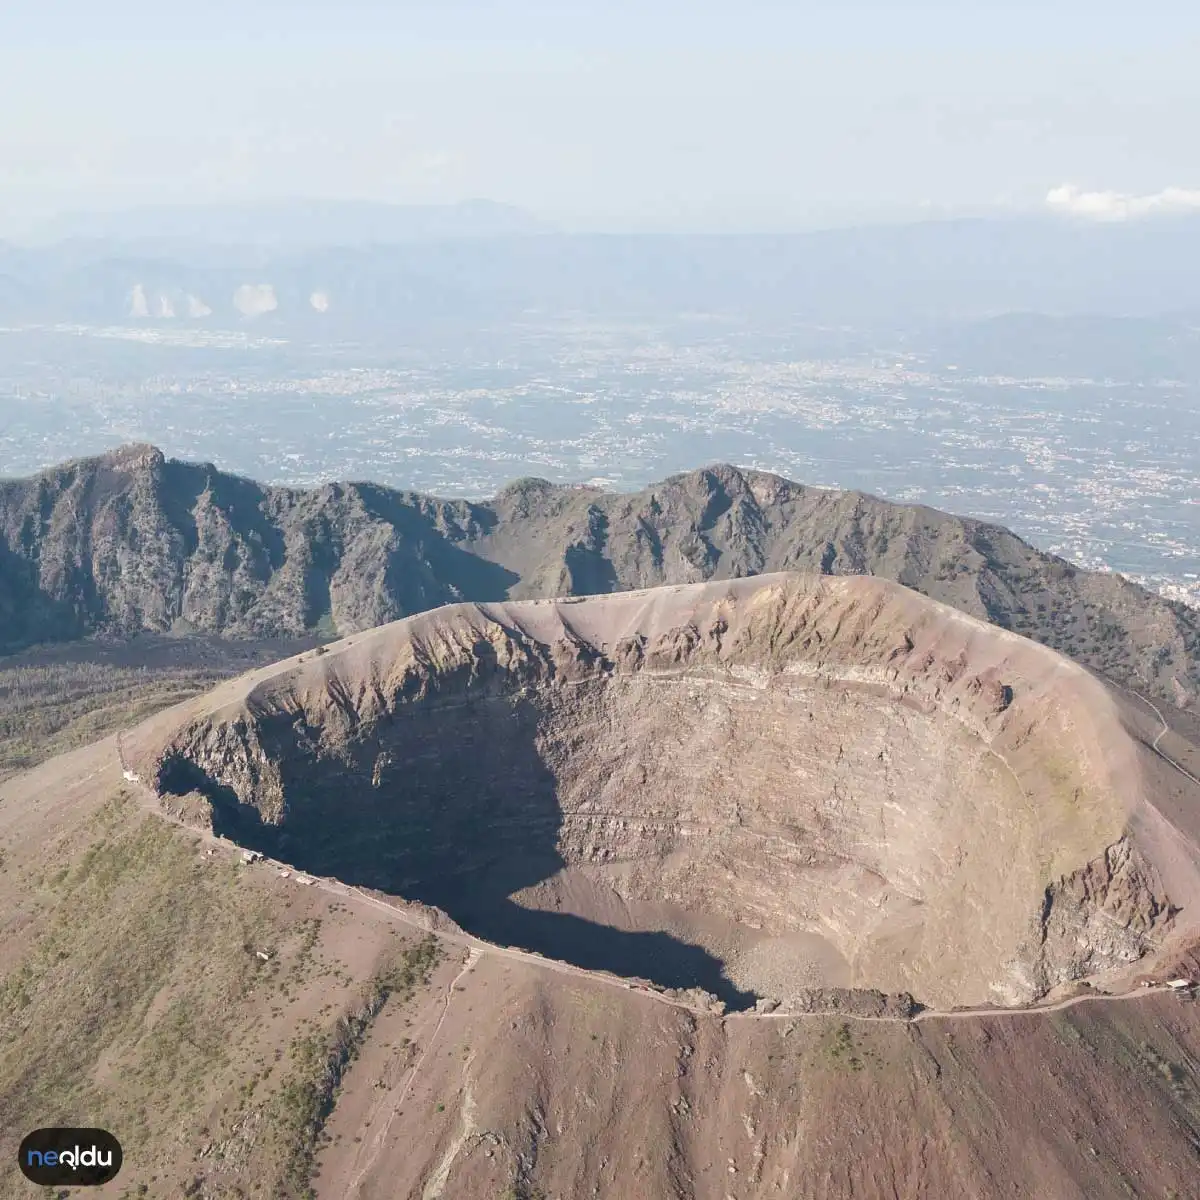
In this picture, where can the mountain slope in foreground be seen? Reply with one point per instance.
(827, 789)
(132, 541)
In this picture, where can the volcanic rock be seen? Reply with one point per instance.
(133, 541)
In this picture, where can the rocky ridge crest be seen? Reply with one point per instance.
(134, 541)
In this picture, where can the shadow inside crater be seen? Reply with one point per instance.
(484, 906)
(450, 804)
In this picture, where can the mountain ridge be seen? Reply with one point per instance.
(132, 541)
(288, 223)
(872, 276)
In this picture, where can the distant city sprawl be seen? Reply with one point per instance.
(1082, 437)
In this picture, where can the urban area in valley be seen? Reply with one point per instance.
(974, 419)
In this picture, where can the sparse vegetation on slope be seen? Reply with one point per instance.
(57, 699)
(136, 999)
(319, 1060)
(48, 710)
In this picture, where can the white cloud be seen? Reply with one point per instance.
(254, 299)
(137, 302)
(1119, 206)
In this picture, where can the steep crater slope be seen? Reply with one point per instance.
(755, 787)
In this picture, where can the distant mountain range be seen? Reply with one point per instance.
(132, 541)
(384, 269)
(301, 223)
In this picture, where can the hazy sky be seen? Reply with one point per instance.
(659, 114)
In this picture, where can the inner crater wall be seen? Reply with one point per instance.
(894, 835)
(811, 790)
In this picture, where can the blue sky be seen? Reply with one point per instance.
(659, 115)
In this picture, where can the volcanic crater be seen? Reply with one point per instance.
(756, 787)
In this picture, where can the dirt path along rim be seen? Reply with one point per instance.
(477, 947)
